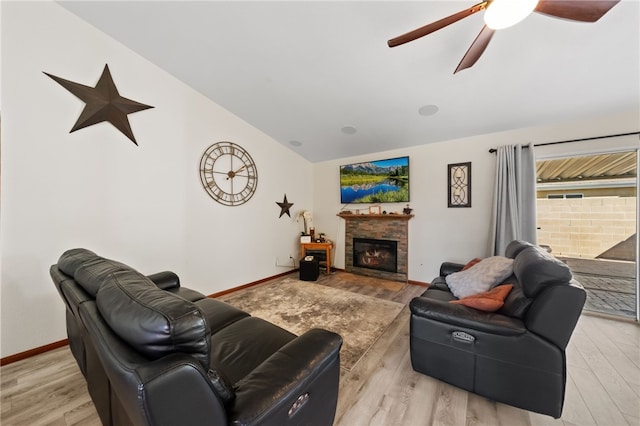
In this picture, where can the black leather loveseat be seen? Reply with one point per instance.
(515, 355)
(156, 353)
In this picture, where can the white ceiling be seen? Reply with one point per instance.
(303, 70)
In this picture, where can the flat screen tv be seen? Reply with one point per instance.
(383, 181)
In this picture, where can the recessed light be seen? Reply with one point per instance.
(349, 130)
(295, 143)
(428, 110)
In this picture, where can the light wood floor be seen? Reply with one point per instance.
(603, 383)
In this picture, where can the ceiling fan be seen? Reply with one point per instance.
(505, 13)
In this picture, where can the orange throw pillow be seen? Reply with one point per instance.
(489, 301)
(471, 263)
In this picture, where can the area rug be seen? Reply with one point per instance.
(361, 280)
(298, 306)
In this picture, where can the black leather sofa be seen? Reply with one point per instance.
(515, 355)
(156, 353)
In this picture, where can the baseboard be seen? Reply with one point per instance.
(33, 352)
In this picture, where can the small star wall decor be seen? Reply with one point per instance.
(284, 206)
(103, 103)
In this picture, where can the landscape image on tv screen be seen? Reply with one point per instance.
(383, 181)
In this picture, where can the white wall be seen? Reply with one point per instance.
(143, 205)
(438, 233)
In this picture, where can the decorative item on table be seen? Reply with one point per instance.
(305, 238)
(312, 233)
(407, 210)
(307, 218)
(322, 237)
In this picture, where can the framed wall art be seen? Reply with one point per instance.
(382, 181)
(459, 181)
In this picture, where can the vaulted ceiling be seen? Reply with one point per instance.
(318, 77)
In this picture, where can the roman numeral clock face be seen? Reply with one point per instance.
(228, 173)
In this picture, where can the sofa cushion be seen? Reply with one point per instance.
(243, 345)
(480, 277)
(535, 269)
(489, 301)
(516, 303)
(438, 293)
(153, 321)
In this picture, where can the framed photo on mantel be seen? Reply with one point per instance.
(459, 181)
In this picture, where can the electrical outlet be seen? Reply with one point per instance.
(290, 262)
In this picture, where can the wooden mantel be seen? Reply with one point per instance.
(375, 216)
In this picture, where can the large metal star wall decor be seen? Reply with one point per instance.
(103, 103)
(284, 206)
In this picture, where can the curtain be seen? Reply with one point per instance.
(514, 210)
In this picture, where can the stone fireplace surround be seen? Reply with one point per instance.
(380, 227)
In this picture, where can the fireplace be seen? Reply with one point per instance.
(377, 229)
(381, 255)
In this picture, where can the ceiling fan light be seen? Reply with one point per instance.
(505, 13)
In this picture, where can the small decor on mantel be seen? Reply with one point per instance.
(377, 216)
(407, 210)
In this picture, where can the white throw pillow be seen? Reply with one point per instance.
(480, 277)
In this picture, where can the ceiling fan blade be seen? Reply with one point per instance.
(437, 25)
(476, 49)
(576, 10)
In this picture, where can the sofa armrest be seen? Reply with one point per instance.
(449, 268)
(463, 316)
(305, 371)
(165, 280)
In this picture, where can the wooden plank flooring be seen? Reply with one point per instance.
(603, 382)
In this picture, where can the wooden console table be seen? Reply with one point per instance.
(319, 246)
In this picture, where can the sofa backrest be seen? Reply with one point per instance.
(536, 269)
(88, 269)
(533, 270)
(515, 247)
(153, 321)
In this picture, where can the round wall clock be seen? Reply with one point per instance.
(228, 173)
